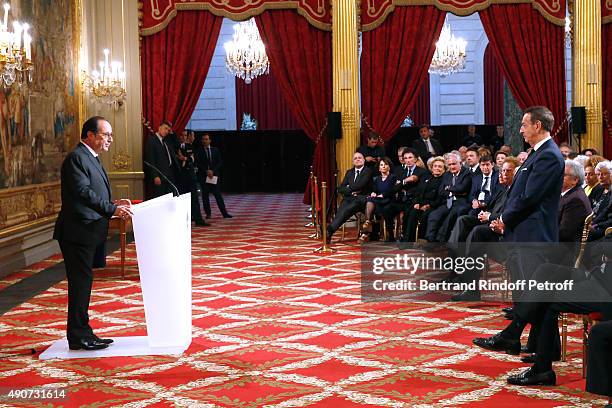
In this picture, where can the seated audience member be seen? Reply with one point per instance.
(407, 187)
(372, 151)
(354, 188)
(483, 185)
(602, 207)
(455, 187)
(581, 159)
(599, 367)
(472, 159)
(500, 157)
(398, 171)
(427, 198)
(383, 192)
(472, 137)
(425, 145)
(484, 151)
(565, 150)
(497, 141)
(462, 150)
(479, 232)
(522, 156)
(589, 152)
(592, 188)
(507, 149)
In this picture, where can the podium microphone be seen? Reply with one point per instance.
(166, 179)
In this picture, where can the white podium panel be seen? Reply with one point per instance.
(162, 231)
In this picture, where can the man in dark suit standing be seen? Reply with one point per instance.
(530, 215)
(162, 155)
(427, 146)
(82, 225)
(209, 166)
(354, 188)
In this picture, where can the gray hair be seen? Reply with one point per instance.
(576, 169)
(604, 165)
(455, 155)
(581, 159)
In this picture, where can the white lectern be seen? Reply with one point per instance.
(162, 231)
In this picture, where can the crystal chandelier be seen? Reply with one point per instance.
(108, 84)
(245, 55)
(449, 56)
(15, 54)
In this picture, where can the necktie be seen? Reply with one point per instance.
(485, 185)
(209, 157)
(356, 175)
(449, 200)
(410, 172)
(430, 147)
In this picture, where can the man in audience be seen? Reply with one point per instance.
(398, 171)
(455, 186)
(161, 155)
(530, 215)
(574, 205)
(372, 151)
(472, 137)
(566, 150)
(462, 153)
(354, 188)
(472, 159)
(522, 156)
(209, 171)
(426, 146)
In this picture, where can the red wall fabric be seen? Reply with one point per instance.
(173, 70)
(301, 59)
(529, 50)
(263, 99)
(394, 64)
(421, 110)
(606, 46)
(493, 89)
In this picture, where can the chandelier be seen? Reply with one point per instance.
(449, 56)
(108, 84)
(245, 55)
(15, 54)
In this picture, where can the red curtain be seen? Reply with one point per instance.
(174, 65)
(606, 46)
(394, 64)
(421, 111)
(493, 89)
(529, 50)
(263, 99)
(301, 59)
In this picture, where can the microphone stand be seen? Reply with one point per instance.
(166, 179)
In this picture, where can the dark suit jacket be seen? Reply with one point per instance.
(574, 207)
(155, 153)
(409, 189)
(421, 148)
(530, 213)
(477, 183)
(429, 192)
(214, 164)
(462, 187)
(86, 199)
(362, 186)
(498, 201)
(596, 193)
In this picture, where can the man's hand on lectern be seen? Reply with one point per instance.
(123, 211)
(122, 201)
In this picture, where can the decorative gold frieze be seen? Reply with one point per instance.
(122, 161)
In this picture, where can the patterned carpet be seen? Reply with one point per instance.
(277, 325)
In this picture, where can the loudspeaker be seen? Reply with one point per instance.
(334, 125)
(578, 119)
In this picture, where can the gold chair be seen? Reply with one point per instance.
(563, 316)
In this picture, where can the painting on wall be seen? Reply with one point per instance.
(38, 120)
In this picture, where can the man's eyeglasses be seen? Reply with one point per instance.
(107, 135)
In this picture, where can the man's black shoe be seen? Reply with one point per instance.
(508, 309)
(499, 343)
(530, 377)
(228, 215)
(202, 223)
(105, 341)
(87, 344)
(467, 296)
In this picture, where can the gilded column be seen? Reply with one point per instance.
(587, 79)
(346, 78)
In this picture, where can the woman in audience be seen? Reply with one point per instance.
(383, 190)
(426, 199)
(500, 156)
(601, 207)
(592, 188)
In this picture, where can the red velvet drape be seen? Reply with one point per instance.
(301, 58)
(264, 100)
(394, 64)
(174, 65)
(493, 89)
(530, 52)
(606, 46)
(421, 111)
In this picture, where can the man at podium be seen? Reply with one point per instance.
(82, 225)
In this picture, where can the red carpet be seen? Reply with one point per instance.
(276, 325)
